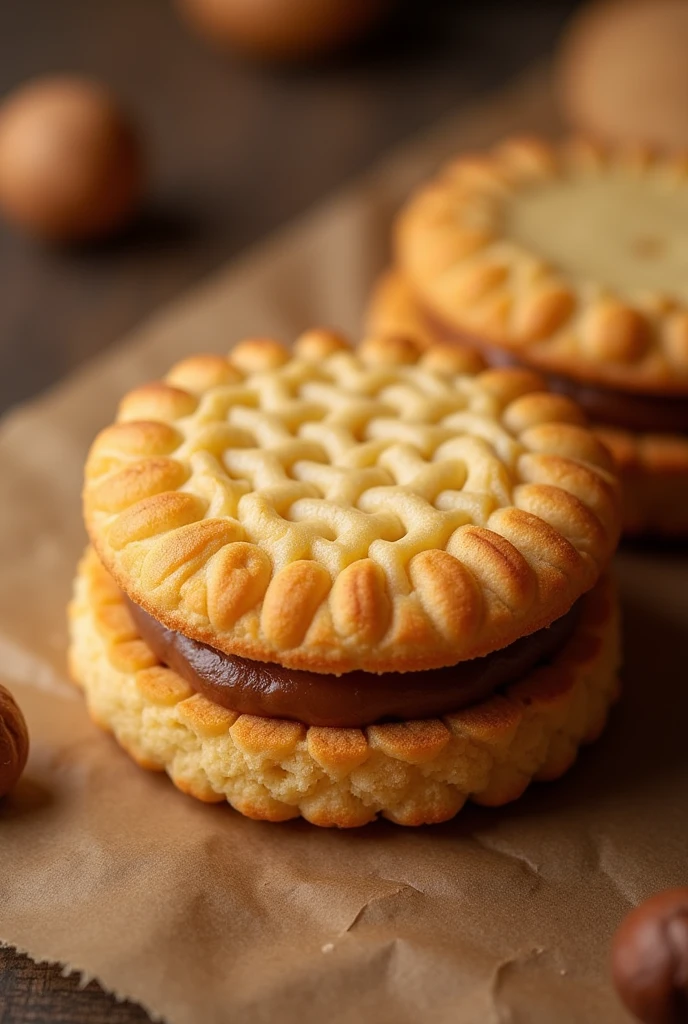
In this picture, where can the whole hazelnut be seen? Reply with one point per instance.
(14, 742)
(650, 959)
(282, 30)
(71, 167)
(622, 75)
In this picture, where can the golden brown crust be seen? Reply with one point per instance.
(413, 773)
(386, 509)
(653, 468)
(469, 261)
(393, 311)
(654, 476)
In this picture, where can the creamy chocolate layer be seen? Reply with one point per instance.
(643, 413)
(626, 409)
(355, 698)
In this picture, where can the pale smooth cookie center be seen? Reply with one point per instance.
(627, 235)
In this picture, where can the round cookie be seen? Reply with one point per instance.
(413, 773)
(572, 260)
(385, 509)
(380, 509)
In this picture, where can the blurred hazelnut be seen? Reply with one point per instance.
(14, 742)
(70, 162)
(650, 959)
(282, 30)
(622, 73)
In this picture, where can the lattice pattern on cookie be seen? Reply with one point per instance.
(653, 468)
(333, 509)
(462, 245)
(412, 772)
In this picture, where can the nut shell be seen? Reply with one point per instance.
(622, 74)
(70, 162)
(14, 742)
(275, 30)
(650, 959)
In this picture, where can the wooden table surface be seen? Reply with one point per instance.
(235, 150)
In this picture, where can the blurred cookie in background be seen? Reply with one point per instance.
(622, 73)
(568, 259)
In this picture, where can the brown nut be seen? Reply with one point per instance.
(283, 31)
(14, 742)
(650, 959)
(71, 167)
(622, 74)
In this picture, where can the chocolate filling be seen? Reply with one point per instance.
(355, 698)
(644, 413)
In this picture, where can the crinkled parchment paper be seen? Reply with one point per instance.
(203, 916)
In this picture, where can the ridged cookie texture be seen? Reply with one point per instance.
(394, 311)
(331, 509)
(653, 468)
(413, 773)
(569, 253)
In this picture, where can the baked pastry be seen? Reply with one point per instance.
(347, 583)
(573, 261)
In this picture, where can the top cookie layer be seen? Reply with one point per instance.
(573, 257)
(382, 509)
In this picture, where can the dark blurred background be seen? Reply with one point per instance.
(236, 147)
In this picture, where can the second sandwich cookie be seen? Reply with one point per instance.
(573, 261)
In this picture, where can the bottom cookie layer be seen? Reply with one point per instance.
(654, 476)
(414, 773)
(653, 467)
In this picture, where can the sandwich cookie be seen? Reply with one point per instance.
(348, 583)
(571, 260)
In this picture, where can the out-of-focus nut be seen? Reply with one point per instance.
(14, 742)
(650, 959)
(622, 75)
(71, 167)
(282, 30)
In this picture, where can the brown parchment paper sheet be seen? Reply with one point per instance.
(203, 916)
